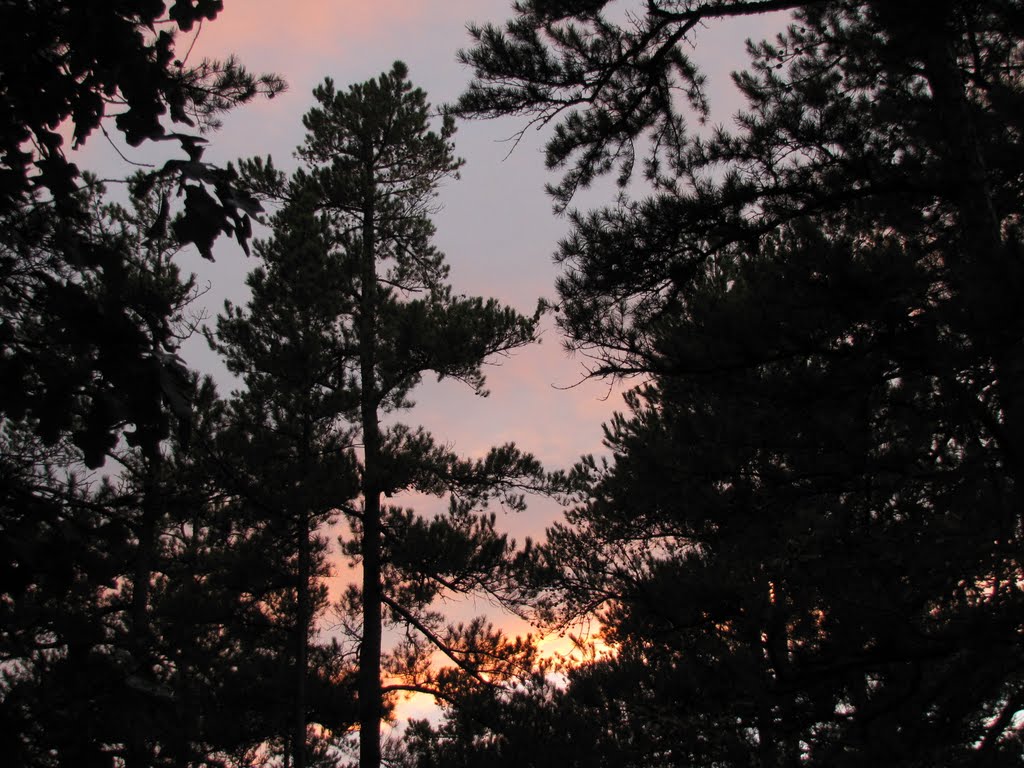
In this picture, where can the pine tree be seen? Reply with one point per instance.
(223, 609)
(75, 544)
(806, 541)
(376, 284)
(288, 449)
(138, 606)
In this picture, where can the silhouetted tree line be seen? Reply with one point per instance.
(804, 545)
(166, 614)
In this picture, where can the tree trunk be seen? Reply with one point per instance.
(301, 638)
(136, 750)
(985, 272)
(145, 556)
(369, 655)
(370, 649)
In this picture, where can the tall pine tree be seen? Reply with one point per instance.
(287, 450)
(374, 285)
(806, 544)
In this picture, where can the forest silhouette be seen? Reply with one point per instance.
(803, 545)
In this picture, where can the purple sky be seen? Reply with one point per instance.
(496, 225)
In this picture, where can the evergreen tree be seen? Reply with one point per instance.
(352, 248)
(70, 548)
(224, 606)
(134, 606)
(62, 555)
(544, 720)
(288, 451)
(806, 544)
(90, 321)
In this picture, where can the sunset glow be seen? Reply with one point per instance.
(493, 384)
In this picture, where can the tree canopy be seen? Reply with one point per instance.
(107, 360)
(92, 310)
(350, 310)
(805, 546)
(67, 64)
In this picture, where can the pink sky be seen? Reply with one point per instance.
(496, 225)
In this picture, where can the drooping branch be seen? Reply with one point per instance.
(433, 638)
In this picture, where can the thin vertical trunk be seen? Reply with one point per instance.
(303, 609)
(137, 751)
(145, 556)
(301, 640)
(370, 649)
(185, 706)
(770, 713)
(984, 269)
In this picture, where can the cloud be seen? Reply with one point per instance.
(305, 29)
(307, 25)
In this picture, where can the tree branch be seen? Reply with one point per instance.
(436, 641)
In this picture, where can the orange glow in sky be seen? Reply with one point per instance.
(495, 224)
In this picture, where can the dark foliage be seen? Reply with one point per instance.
(100, 662)
(70, 65)
(350, 310)
(806, 545)
(83, 352)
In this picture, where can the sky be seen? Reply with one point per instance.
(495, 224)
